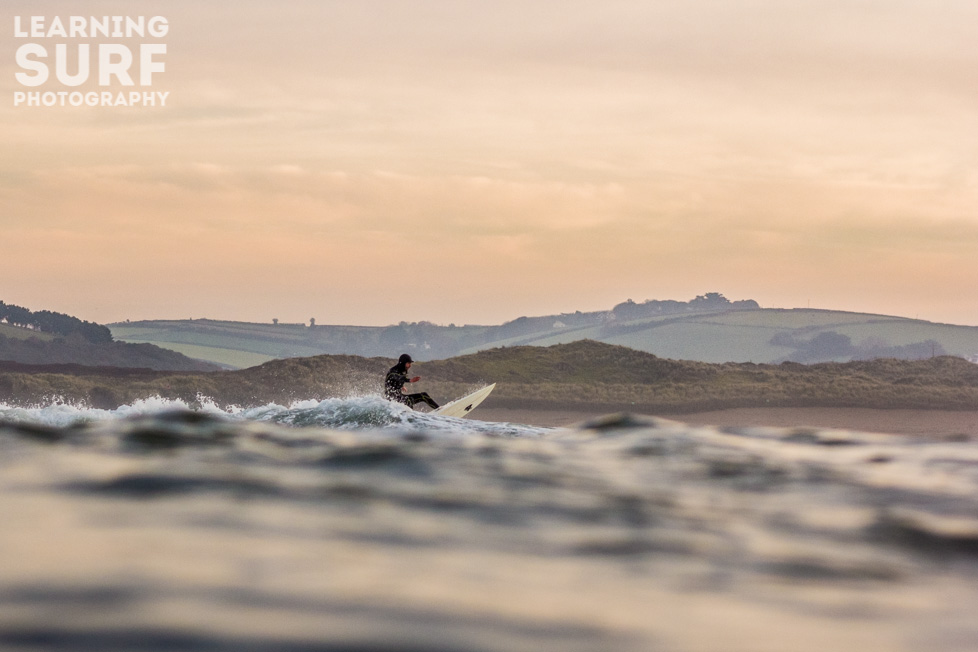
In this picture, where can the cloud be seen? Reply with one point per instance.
(596, 148)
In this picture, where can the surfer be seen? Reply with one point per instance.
(394, 383)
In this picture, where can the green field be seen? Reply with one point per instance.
(705, 341)
(231, 358)
(233, 343)
(18, 333)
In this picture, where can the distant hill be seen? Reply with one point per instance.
(708, 328)
(584, 375)
(51, 338)
(53, 323)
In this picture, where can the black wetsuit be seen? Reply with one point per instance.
(395, 380)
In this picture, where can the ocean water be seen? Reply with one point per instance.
(356, 524)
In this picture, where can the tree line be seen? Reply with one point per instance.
(704, 302)
(54, 323)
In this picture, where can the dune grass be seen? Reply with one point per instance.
(586, 374)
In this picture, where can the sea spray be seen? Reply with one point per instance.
(357, 413)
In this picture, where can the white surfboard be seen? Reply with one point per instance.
(461, 407)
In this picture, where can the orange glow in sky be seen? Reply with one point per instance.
(471, 162)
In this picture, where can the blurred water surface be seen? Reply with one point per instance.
(356, 524)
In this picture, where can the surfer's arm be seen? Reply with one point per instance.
(409, 380)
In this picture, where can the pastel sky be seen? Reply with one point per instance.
(472, 161)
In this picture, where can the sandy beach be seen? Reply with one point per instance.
(928, 423)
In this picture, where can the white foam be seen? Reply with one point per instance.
(358, 413)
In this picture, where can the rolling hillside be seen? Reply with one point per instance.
(714, 332)
(47, 338)
(18, 333)
(586, 374)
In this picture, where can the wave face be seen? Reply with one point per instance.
(357, 524)
(361, 413)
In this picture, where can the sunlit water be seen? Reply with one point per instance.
(356, 524)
